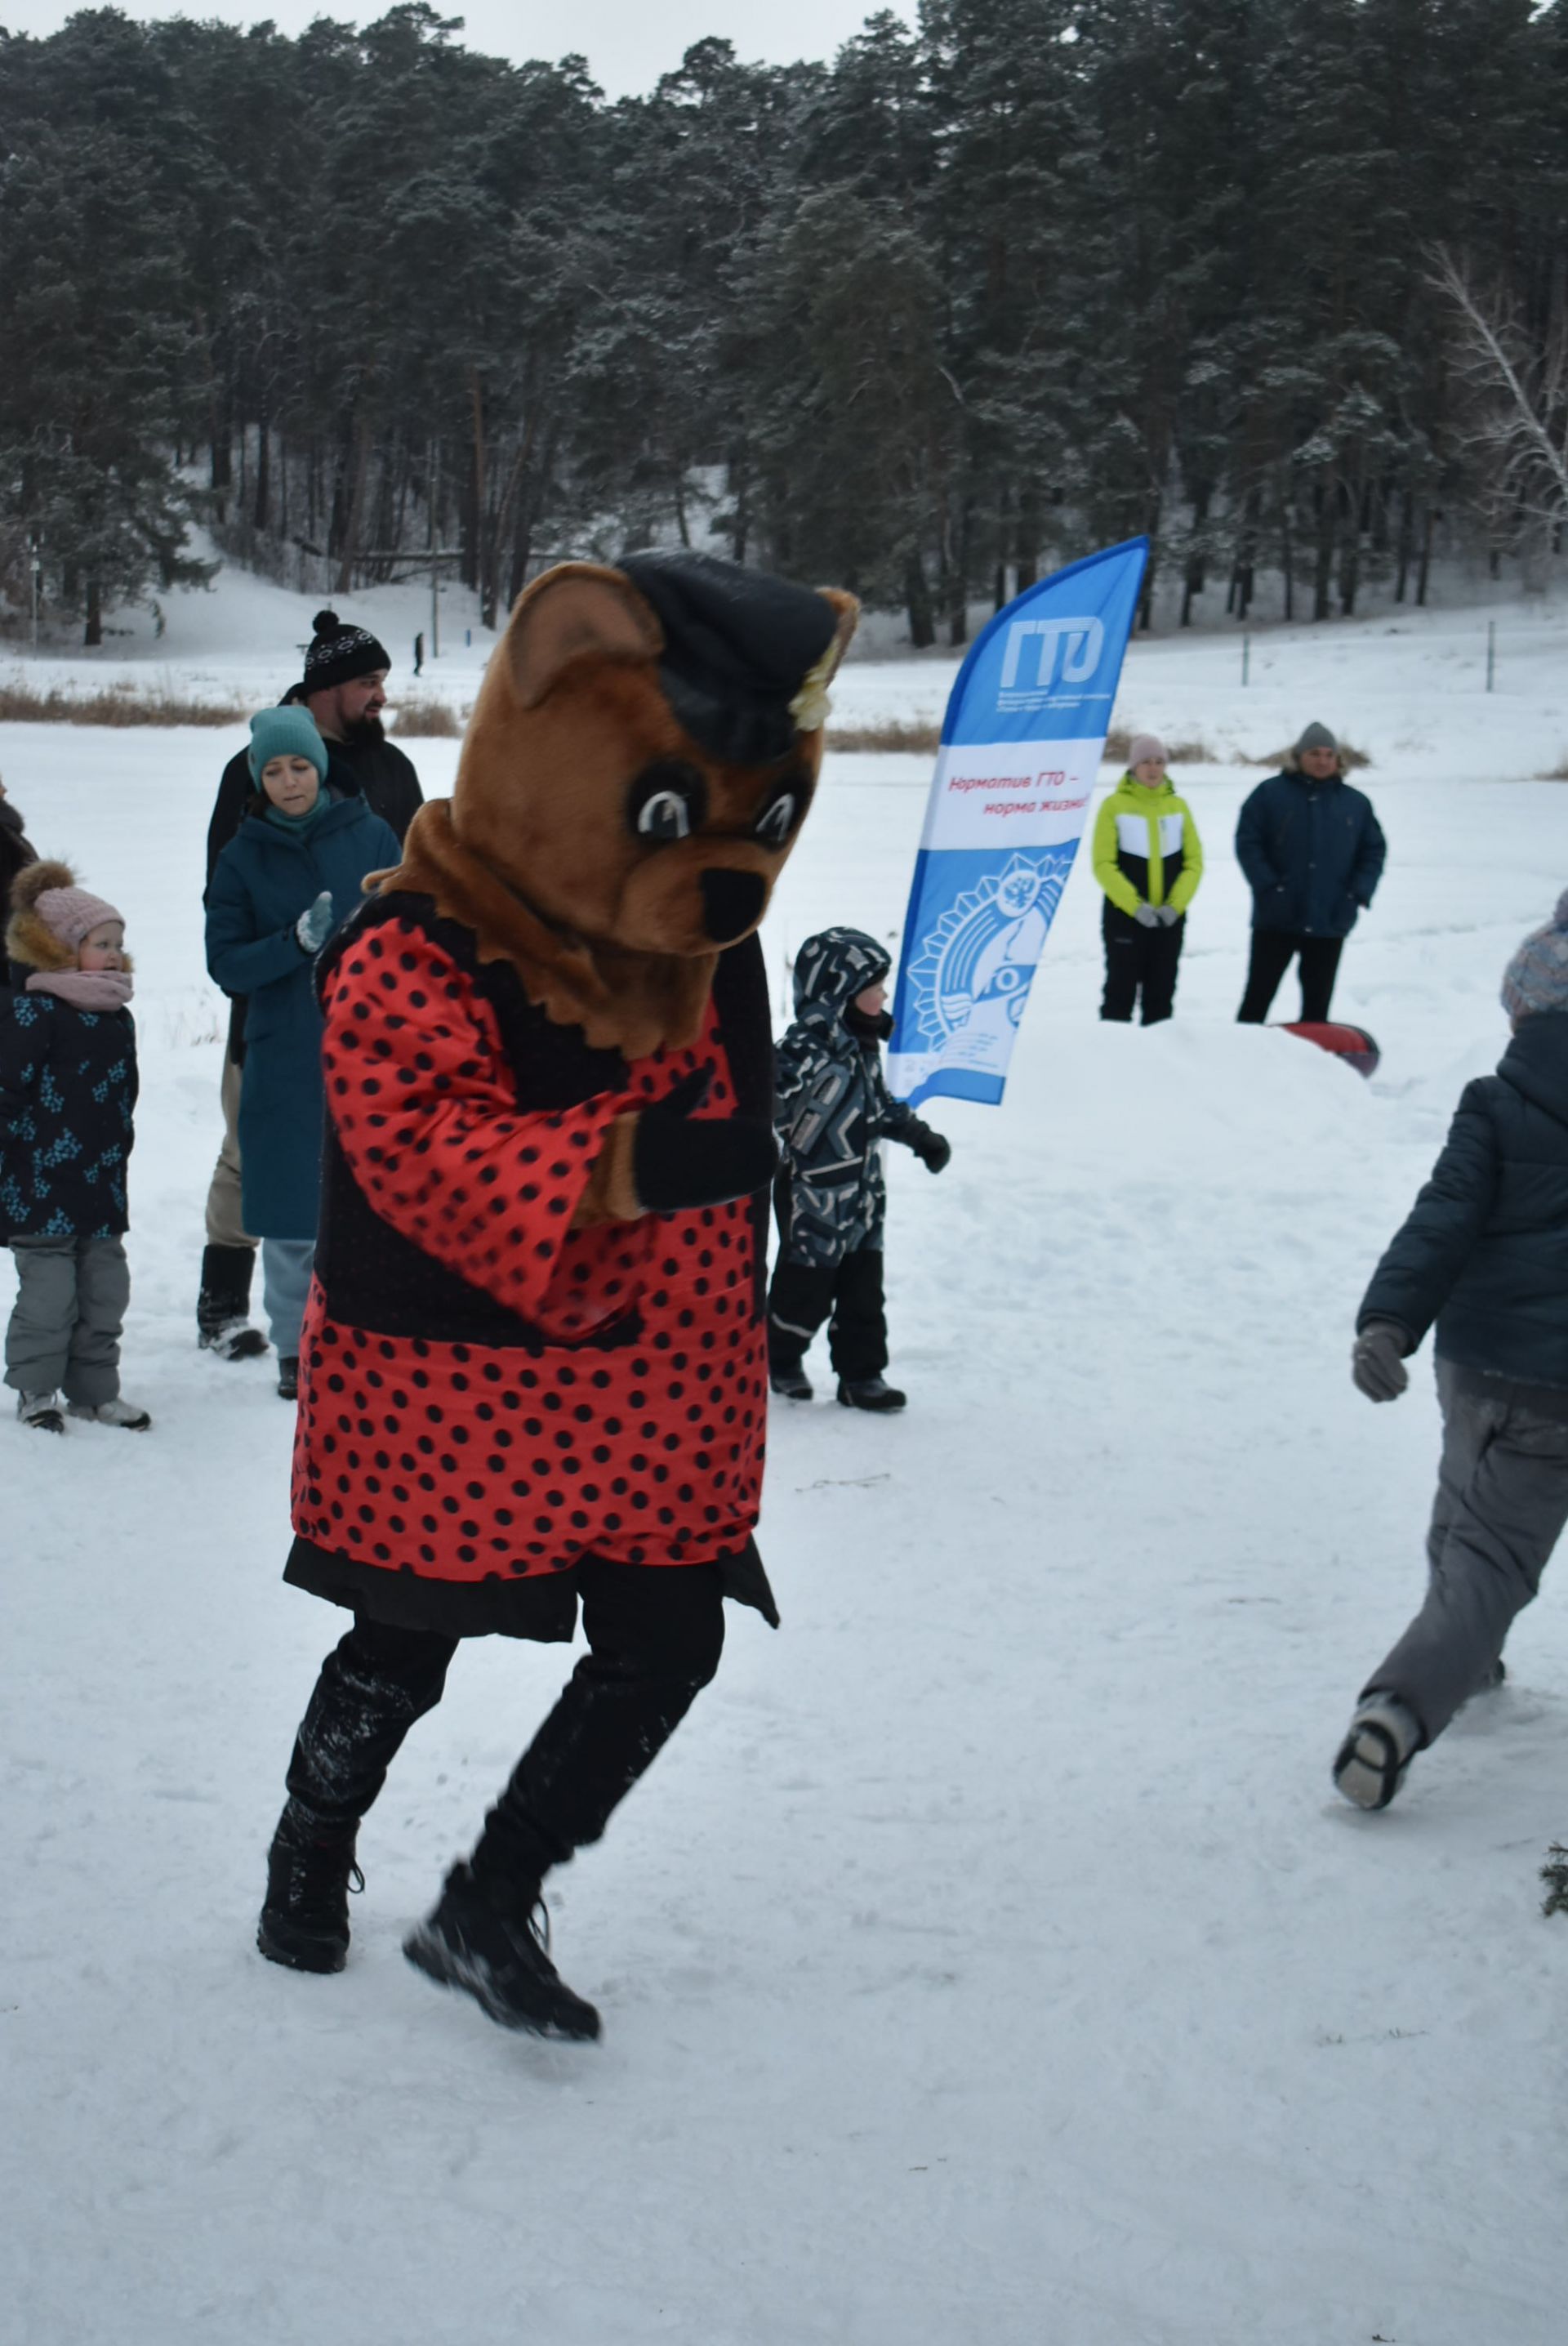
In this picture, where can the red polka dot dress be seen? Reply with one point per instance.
(489, 1391)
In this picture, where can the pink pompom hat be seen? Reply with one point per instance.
(47, 906)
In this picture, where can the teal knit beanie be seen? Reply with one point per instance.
(285, 733)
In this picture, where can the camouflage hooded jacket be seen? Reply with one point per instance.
(833, 1107)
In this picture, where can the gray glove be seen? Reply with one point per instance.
(314, 926)
(1146, 917)
(1378, 1360)
(1169, 915)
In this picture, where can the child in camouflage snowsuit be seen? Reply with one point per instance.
(833, 1110)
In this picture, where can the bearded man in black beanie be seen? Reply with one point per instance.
(344, 688)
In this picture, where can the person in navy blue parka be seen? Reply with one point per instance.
(1483, 1258)
(291, 873)
(1313, 852)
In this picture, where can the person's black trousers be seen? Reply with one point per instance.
(1272, 951)
(655, 1637)
(802, 1296)
(848, 1294)
(1139, 959)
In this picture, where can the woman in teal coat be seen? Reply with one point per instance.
(291, 873)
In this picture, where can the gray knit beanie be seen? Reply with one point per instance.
(1536, 979)
(1316, 737)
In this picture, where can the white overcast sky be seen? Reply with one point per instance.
(627, 43)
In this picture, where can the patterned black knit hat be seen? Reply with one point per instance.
(339, 654)
(739, 647)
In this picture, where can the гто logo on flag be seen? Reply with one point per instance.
(1079, 643)
(1021, 745)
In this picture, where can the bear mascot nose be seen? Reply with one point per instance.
(732, 902)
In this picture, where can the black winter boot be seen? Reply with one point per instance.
(493, 1941)
(870, 1392)
(288, 1376)
(791, 1382)
(223, 1306)
(305, 1919)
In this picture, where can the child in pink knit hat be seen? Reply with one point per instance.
(67, 1090)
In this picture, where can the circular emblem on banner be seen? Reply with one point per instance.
(978, 958)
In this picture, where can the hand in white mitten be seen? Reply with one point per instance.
(1169, 915)
(315, 925)
(1146, 917)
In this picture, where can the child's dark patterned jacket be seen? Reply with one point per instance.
(67, 1090)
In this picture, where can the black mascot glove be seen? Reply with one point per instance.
(931, 1148)
(677, 1161)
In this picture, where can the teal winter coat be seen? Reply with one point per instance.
(264, 878)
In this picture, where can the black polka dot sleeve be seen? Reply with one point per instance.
(425, 1108)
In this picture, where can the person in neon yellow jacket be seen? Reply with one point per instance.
(1149, 859)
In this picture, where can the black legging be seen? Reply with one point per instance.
(655, 1637)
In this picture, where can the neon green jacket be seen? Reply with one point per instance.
(1145, 847)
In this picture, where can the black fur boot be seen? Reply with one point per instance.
(870, 1392)
(305, 1919)
(223, 1306)
(493, 1941)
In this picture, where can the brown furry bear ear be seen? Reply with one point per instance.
(848, 608)
(810, 706)
(34, 879)
(577, 608)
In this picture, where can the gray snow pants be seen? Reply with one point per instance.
(1501, 1502)
(65, 1331)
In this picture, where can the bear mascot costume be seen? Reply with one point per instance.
(534, 1366)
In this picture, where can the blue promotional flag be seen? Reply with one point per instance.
(1021, 746)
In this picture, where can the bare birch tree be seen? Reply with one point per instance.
(1514, 412)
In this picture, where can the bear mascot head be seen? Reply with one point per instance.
(642, 754)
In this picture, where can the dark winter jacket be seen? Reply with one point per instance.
(492, 1389)
(384, 777)
(833, 1107)
(67, 1090)
(16, 851)
(264, 878)
(380, 772)
(1312, 853)
(1484, 1251)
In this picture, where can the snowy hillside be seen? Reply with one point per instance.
(1407, 687)
(989, 1961)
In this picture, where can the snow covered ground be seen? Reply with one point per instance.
(989, 1960)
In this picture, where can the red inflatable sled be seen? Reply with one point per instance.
(1351, 1044)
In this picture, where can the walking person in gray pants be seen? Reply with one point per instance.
(1484, 1255)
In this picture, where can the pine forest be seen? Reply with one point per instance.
(1280, 282)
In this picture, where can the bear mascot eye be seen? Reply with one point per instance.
(777, 820)
(668, 801)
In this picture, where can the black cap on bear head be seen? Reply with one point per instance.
(738, 645)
